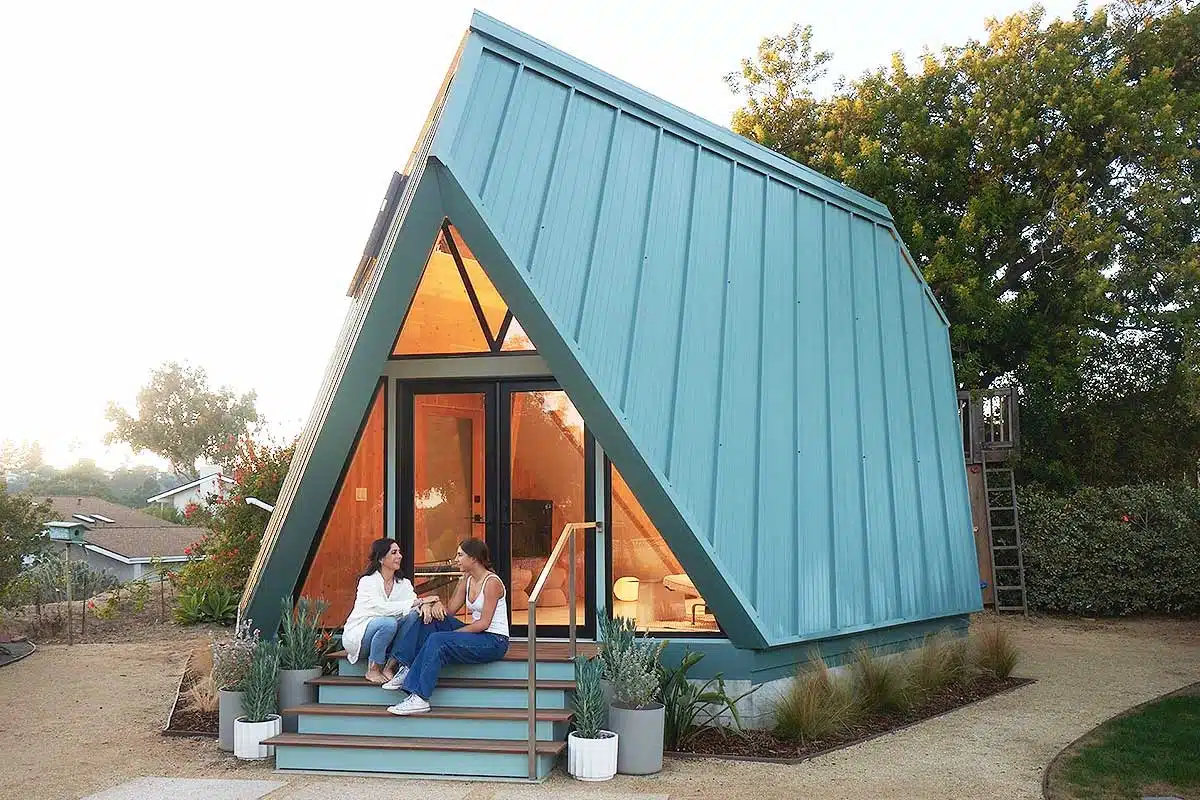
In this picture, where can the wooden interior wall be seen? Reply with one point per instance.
(432, 464)
(357, 519)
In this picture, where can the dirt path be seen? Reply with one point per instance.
(77, 722)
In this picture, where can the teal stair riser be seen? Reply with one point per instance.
(519, 670)
(423, 726)
(488, 697)
(410, 762)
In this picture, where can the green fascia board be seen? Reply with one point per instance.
(521, 46)
(722, 657)
(568, 367)
(334, 433)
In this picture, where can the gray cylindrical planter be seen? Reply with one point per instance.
(606, 691)
(293, 692)
(640, 738)
(229, 708)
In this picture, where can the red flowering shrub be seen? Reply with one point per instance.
(235, 528)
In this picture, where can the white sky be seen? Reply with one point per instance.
(196, 181)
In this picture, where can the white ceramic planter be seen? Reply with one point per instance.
(229, 708)
(248, 737)
(592, 759)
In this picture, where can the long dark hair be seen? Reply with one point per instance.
(379, 549)
(478, 550)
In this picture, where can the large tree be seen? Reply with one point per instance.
(181, 419)
(1045, 179)
(20, 533)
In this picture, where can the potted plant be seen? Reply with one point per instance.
(617, 634)
(635, 715)
(231, 666)
(260, 721)
(301, 652)
(591, 750)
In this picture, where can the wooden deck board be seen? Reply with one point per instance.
(456, 683)
(437, 712)
(518, 650)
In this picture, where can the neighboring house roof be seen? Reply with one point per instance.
(190, 485)
(132, 536)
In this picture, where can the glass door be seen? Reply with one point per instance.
(545, 484)
(506, 462)
(445, 482)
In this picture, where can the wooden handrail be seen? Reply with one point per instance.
(567, 537)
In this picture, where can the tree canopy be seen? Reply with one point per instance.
(181, 419)
(1045, 179)
(20, 533)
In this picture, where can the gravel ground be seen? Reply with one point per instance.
(81, 720)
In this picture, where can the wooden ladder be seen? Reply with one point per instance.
(1004, 538)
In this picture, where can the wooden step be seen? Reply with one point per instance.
(437, 712)
(450, 683)
(546, 651)
(510, 746)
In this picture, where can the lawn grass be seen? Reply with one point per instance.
(1154, 750)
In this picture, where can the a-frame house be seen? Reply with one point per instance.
(583, 304)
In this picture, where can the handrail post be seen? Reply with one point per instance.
(568, 537)
(532, 710)
(571, 595)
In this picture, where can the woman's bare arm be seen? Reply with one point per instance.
(493, 591)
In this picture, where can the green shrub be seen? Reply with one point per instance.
(942, 661)
(300, 633)
(1112, 552)
(691, 706)
(880, 684)
(260, 700)
(995, 653)
(816, 705)
(195, 605)
(233, 657)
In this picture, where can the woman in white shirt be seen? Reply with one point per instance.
(446, 640)
(384, 608)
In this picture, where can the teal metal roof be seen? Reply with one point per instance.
(748, 340)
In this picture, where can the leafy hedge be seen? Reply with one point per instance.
(1112, 552)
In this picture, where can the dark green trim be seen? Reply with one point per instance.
(761, 666)
(350, 398)
(734, 611)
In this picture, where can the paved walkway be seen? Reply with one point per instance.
(1086, 671)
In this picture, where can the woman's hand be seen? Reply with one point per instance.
(438, 610)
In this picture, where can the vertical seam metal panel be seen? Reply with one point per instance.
(683, 293)
(641, 269)
(834, 616)
(716, 461)
(758, 392)
(604, 186)
(512, 87)
(537, 231)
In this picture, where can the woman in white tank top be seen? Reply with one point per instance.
(448, 640)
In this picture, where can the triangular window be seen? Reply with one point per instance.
(456, 309)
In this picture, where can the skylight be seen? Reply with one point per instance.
(84, 518)
(104, 519)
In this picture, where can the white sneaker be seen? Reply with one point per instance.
(398, 681)
(413, 704)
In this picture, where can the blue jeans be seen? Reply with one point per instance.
(433, 645)
(383, 636)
